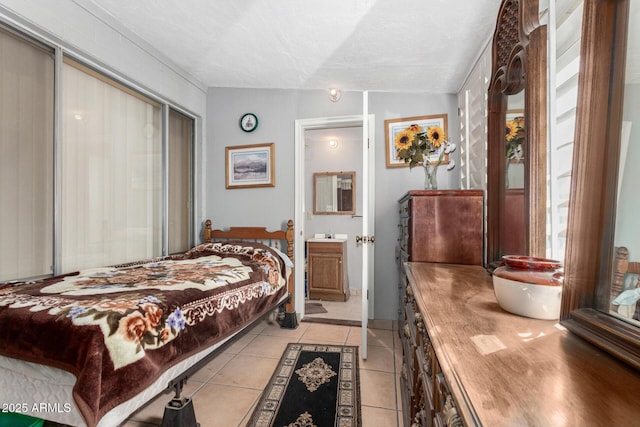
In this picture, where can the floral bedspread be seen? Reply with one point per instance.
(118, 328)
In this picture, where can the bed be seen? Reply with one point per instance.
(89, 348)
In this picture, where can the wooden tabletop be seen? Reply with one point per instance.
(508, 370)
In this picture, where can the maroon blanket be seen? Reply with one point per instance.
(118, 328)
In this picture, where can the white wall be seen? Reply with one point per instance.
(277, 111)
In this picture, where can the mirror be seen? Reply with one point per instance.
(513, 223)
(603, 207)
(514, 142)
(624, 293)
(334, 193)
(516, 158)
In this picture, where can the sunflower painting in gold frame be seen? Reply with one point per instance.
(399, 131)
(514, 136)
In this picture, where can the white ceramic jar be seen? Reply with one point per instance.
(529, 286)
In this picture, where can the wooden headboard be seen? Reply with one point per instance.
(269, 238)
(255, 234)
(621, 267)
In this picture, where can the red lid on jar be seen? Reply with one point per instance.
(524, 262)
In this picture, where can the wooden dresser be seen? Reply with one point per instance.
(441, 226)
(467, 362)
(327, 269)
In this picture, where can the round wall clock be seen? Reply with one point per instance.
(248, 122)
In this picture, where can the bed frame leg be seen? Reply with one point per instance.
(179, 413)
(290, 320)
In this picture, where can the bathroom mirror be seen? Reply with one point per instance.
(516, 162)
(600, 295)
(334, 193)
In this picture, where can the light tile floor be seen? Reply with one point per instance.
(225, 391)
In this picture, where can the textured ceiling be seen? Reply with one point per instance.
(377, 45)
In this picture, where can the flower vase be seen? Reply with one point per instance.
(430, 176)
(506, 172)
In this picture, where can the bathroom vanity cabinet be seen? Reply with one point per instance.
(327, 269)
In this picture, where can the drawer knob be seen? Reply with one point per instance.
(451, 416)
(407, 332)
(419, 322)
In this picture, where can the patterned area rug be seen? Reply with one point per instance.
(312, 386)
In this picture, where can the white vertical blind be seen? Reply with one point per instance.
(26, 158)
(111, 201)
(180, 149)
(565, 57)
(472, 104)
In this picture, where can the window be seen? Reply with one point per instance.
(111, 201)
(96, 187)
(564, 64)
(180, 154)
(26, 157)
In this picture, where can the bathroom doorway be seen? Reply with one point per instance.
(366, 248)
(333, 181)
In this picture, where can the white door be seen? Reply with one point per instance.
(368, 211)
(367, 215)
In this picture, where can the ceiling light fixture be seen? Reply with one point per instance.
(333, 143)
(334, 94)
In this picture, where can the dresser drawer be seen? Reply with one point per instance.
(446, 411)
(406, 396)
(442, 226)
(403, 208)
(403, 239)
(426, 361)
(410, 316)
(423, 407)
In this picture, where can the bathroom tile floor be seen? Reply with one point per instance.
(225, 391)
(349, 310)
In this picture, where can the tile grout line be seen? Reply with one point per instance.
(395, 377)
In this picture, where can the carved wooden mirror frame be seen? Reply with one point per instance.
(592, 203)
(519, 62)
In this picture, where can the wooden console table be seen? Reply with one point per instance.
(468, 362)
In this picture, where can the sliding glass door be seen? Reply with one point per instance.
(111, 201)
(26, 157)
(111, 188)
